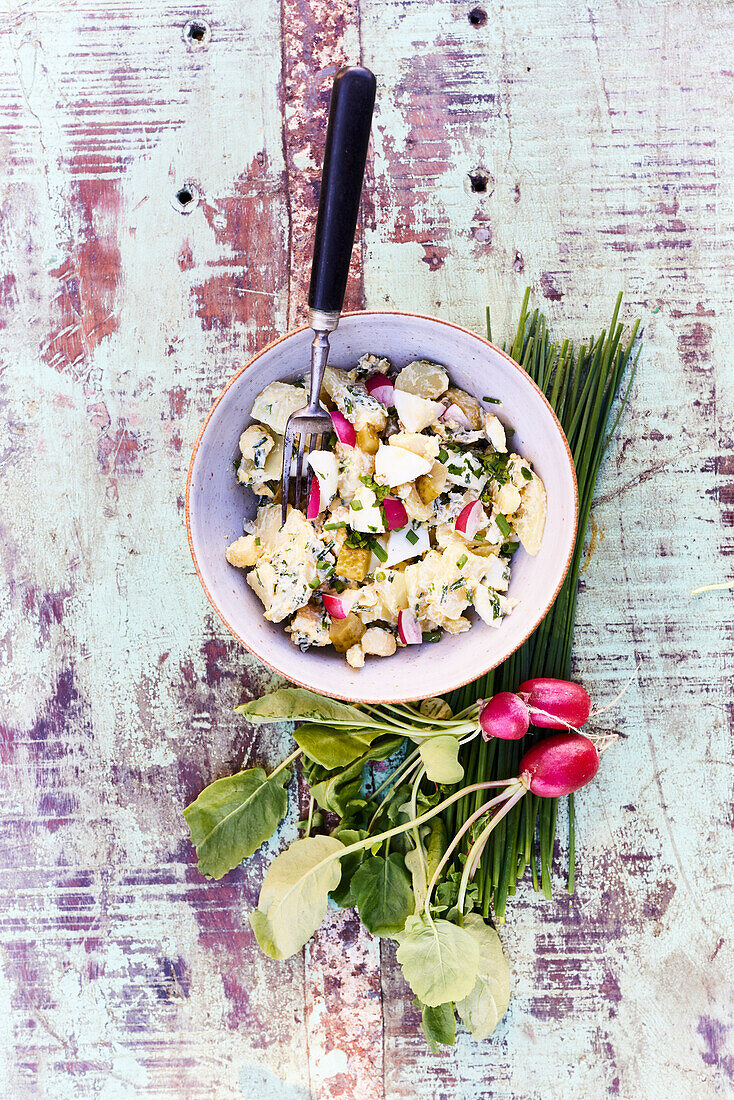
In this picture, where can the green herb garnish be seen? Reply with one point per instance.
(462, 561)
(356, 506)
(432, 635)
(335, 526)
(379, 551)
(492, 400)
(502, 523)
(526, 473)
(411, 537)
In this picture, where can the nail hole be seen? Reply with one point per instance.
(196, 34)
(478, 182)
(477, 17)
(186, 199)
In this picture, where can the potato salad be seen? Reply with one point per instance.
(414, 512)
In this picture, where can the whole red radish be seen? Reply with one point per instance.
(555, 704)
(558, 765)
(505, 715)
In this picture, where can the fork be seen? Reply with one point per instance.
(345, 154)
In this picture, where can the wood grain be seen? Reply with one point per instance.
(583, 148)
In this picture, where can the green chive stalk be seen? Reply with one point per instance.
(583, 387)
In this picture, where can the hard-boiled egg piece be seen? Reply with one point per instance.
(409, 542)
(495, 432)
(396, 465)
(364, 512)
(326, 469)
(466, 470)
(415, 413)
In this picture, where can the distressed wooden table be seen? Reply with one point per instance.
(159, 184)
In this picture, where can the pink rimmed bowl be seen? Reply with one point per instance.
(216, 506)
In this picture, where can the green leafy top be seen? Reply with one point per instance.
(233, 816)
(301, 705)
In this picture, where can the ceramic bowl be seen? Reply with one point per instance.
(216, 506)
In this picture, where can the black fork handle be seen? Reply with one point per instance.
(347, 138)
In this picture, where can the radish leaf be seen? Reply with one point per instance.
(439, 959)
(294, 895)
(382, 893)
(440, 755)
(487, 1003)
(300, 705)
(334, 748)
(233, 816)
(439, 1025)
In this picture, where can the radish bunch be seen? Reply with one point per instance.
(554, 767)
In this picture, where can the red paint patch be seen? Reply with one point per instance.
(253, 262)
(119, 452)
(87, 278)
(313, 33)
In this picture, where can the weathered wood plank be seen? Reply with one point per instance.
(603, 134)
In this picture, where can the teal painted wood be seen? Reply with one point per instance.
(583, 149)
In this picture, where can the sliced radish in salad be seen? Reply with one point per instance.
(395, 513)
(409, 629)
(456, 415)
(345, 432)
(314, 500)
(380, 387)
(339, 605)
(471, 519)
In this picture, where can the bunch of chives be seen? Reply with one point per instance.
(582, 387)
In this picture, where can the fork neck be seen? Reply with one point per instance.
(319, 356)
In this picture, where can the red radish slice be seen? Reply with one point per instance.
(339, 606)
(555, 704)
(505, 715)
(345, 432)
(395, 513)
(457, 416)
(314, 500)
(471, 517)
(558, 765)
(380, 387)
(409, 628)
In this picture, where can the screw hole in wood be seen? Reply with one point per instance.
(477, 17)
(479, 182)
(196, 34)
(186, 199)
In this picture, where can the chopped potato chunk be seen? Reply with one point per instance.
(378, 642)
(355, 656)
(423, 378)
(468, 405)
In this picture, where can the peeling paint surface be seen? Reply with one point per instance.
(583, 148)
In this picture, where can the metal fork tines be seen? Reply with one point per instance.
(310, 426)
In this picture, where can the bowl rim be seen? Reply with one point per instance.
(377, 313)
